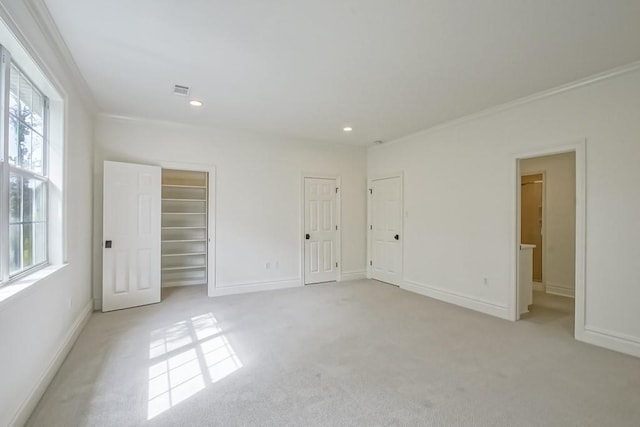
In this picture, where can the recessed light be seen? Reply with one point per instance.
(195, 103)
(347, 129)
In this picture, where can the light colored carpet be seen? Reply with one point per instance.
(356, 353)
(556, 302)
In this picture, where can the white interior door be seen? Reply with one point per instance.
(321, 231)
(386, 230)
(131, 232)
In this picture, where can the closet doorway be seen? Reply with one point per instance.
(188, 224)
(186, 239)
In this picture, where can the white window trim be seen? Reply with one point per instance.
(56, 204)
(7, 64)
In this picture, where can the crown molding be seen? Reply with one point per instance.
(41, 15)
(241, 132)
(587, 81)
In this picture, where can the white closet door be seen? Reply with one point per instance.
(321, 233)
(131, 233)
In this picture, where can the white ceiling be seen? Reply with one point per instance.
(307, 68)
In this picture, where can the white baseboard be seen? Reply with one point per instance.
(28, 405)
(557, 289)
(458, 299)
(243, 288)
(610, 340)
(353, 275)
(538, 286)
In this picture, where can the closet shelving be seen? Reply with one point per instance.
(184, 227)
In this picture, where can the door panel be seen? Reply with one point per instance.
(320, 249)
(144, 268)
(386, 224)
(131, 222)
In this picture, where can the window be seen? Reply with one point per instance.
(24, 201)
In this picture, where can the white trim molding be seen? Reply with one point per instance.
(28, 405)
(615, 341)
(257, 286)
(561, 290)
(42, 16)
(538, 286)
(477, 304)
(587, 81)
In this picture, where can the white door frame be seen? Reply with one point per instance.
(370, 180)
(338, 221)
(544, 217)
(211, 216)
(579, 148)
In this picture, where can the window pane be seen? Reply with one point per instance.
(27, 195)
(26, 127)
(27, 199)
(37, 154)
(37, 119)
(26, 101)
(13, 140)
(27, 245)
(24, 146)
(40, 200)
(15, 236)
(15, 199)
(13, 91)
(40, 242)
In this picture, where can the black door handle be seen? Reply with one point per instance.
(397, 237)
(307, 236)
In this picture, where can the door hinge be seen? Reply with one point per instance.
(371, 191)
(336, 227)
(336, 265)
(371, 227)
(337, 188)
(370, 262)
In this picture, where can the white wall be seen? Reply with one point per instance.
(460, 198)
(559, 219)
(258, 194)
(37, 325)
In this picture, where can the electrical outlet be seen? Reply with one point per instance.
(485, 281)
(277, 265)
(267, 265)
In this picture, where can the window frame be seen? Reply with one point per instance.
(7, 170)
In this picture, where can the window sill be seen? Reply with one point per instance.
(23, 286)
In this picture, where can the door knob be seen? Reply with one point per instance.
(107, 244)
(397, 237)
(307, 236)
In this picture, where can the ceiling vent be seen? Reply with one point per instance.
(181, 90)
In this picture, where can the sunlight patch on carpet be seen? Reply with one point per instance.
(186, 357)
